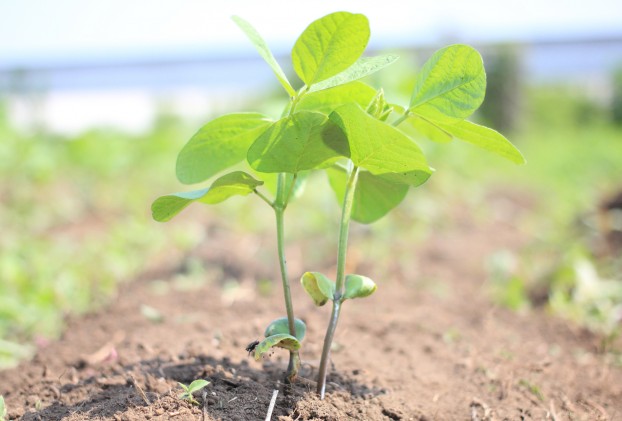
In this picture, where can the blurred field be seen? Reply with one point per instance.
(75, 214)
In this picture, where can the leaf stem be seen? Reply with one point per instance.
(344, 227)
(401, 119)
(264, 198)
(289, 191)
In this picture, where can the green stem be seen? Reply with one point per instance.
(283, 265)
(344, 228)
(279, 210)
(401, 119)
(328, 342)
(264, 198)
(290, 190)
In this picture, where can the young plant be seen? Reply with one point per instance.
(189, 390)
(336, 124)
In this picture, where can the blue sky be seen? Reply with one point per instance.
(44, 30)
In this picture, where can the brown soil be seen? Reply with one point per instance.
(429, 345)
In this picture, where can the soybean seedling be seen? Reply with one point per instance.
(189, 390)
(336, 124)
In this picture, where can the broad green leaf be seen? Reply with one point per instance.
(281, 325)
(302, 141)
(485, 138)
(329, 45)
(381, 148)
(374, 196)
(450, 86)
(327, 100)
(281, 340)
(358, 286)
(319, 287)
(218, 145)
(197, 385)
(364, 66)
(429, 130)
(236, 183)
(264, 52)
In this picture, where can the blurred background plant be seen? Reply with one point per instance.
(87, 140)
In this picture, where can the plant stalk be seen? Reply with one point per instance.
(401, 119)
(344, 228)
(279, 210)
(328, 341)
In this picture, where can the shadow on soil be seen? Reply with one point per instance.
(148, 385)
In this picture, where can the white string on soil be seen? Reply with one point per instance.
(272, 403)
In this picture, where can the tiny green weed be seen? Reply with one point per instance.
(189, 390)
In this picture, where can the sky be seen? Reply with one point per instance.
(57, 34)
(33, 31)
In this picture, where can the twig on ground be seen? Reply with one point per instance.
(272, 403)
(204, 411)
(552, 411)
(140, 390)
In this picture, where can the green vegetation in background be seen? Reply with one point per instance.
(575, 162)
(73, 223)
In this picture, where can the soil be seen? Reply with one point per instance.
(429, 345)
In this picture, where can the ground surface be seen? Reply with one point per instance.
(429, 345)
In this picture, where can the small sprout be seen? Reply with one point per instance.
(151, 314)
(3, 410)
(532, 388)
(189, 390)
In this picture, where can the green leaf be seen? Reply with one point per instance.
(319, 287)
(364, 66)
(3, 410)
(429, 130)
(264, 52)
(329, 45)
(450, 86)
(358, 286)
(374, 196)
(327, 100)
(197, 385)
(281, 340)
(302, 141)
(381, 148)
(281, 325)
(218, 145)
(485, 138)
(236, 183)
